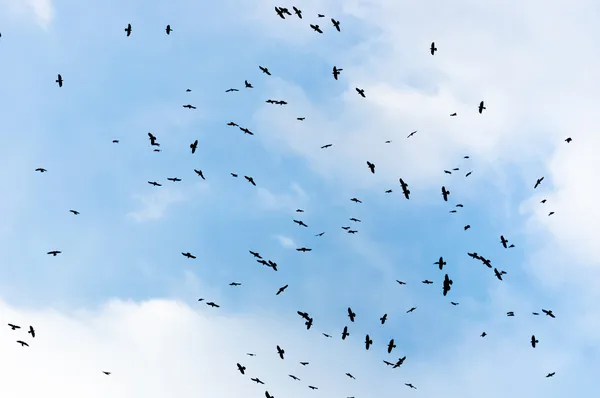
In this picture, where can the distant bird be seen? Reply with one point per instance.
(483, 334)
(371, 167)
(250, 180)
(74, 212)
(368, 342)
(59, 80)
(411, 310)
(453, 114)
(14, 327)
(467, 227)
(549, 214)
(128, 29)
(316, 28)
(54, 252)
(265, 70)
(168, 29)
(400, 282)
(23, 344)
(281, 290)
(543, 201)
(445, 193)
(320, 15)
(355, 200)
(468, 174)
(391, 346)
(383, 318)
(231, 90)
(427, 282)
(360, 92)
(320, 234)
(405, 190)
(106, 373)
(233, 175)
(313, 387)
(297, 12)
(156, 184)
(481, 107)
(453, 303)
(510, 313)
(188, 255)
(235, 284)
(294, 377)
(303, 363)
(447, 284)
(345, 333)
(326, 146)
(300, 223)
(193, 146)
(410, 385)
(548, 313)
(174, 179)
(300, 118)
(257, 380)
(199, 172)
(550, 374)
(432, 48)
(351, 314)
(440, 263)
(188, 90)
(248, 85)
(241, 368)
(503, 241)
(538, 182)
(279, 12)
(268, 395)
(189, 106)
(336, 24)
(350, 376)
(411, 134)
(568, 140)
(534, 341)
(303, 249)
(280, 352)
(115, 141)
(211, 304)
(336, 72)
(388, 191)
(41, 170)
(31, 331)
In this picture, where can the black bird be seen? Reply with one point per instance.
(300, 223)
(568, 140)
(313, 387)
(281, 290)
(483, 334)
(371, 167)
(54, 252)
(350, 376)
(189, 106)
(280, 351)
(400, 362)
(336, 24)
(14, 327)
(445, 193)
(300, 118)
(233, 124)
(294, 377)
(410, 385)
(549, 313)
(156, 184)
(550, 374)
(316, 28)
(168, 29)
(106, 373)
(230, 90)
(279, 12)
(193, 146)
(534, 341)
(468, 174)
(388, 191)
(510, 313)
(248, 85)
(211, 304)
(115, 141)
(440, 263)
(174, 179)
(453, 303)
(427, 282)
(447, 283)
(467, 227)
(321, 234)
(241, 368)
(31, 331)
(453, 114)
(246, 131)
(391, 346)
(128, 29)
(400, 282)
(336, 72)
(326, 146)
(360, 92)
(23, 344)
(351, 314)
(265, 70)
(250, 354)
(433, 49)
(411, 134)
(303, 363)
(404, 188)
(297, 12)
(326, 335)
(188, 255)
(304, 249)
(59, 80)
(411, 310)
(199, 172)
(368, 342)
(320, 15)
(538, 182)
(235, 284)
(153, 140)
(250, 180)
(74, 212)
(41, 170)
(257, 380)
(383, 318)
(355, 200)
(503, 241)
(255, 254)
(535, 313)
(345, 333)
(498, 273)
(481, 107)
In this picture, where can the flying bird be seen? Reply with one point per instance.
(345, 333)
(447, 283)
(568, 140)
(336, 24)
(534, 341)
(316, 28)
(75, 212)
(14, 327)
(411, 134)
(440, 263)
(280, 351)
(297, 12)
(54, 252)
(128, 29)
(391, 346)
(445, 193)
(538, 182)
(241, 368)
(23, 344)
(383, 318)
(336, 72)
(371, 167)
(432, 48)
(360, 92)
(168, 29)
(281, 290)
(265, 70)
(250, 180)
(481, 107)
(188, 255)
(193, 146)
(351, 314)
(59, 80)
(368, 342)
(31, 331)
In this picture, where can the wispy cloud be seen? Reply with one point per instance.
(154, 205)
(286, 241)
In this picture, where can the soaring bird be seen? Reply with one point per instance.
(193, 146)
(128, 29)
(168, 29)
(59, 80)
(481, 107)
(371, 167)
(432, 48)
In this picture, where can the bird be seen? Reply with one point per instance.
(280, 351)
(440, 263)
(188, 255)
(316, 28)
(411, 310)
(391, 346)
(568, 140)
(54, 252)
(281, 290)
(383, 318)
(41, 170)
(538, 182)
(241, 368)
(303, 249)
(368, 342)
(199, 172)
(174, 179)
(445, 193)
(75, 212)
(548, 313)
(235, 284)
(336, 72)
(230, 90)
(303, 363)
(59, 80)
(257, 380)
(23, 344)
(300, 223)
(453, 114)
(351, 314)
(106, 373)
(154, 183)
(447, 283)
(14, 327)
(279, 12)
(350, 376)
(250, 180)
(371, 167)
(432, 48)
(168, 29)
(345, 333)
(481, 107)
(313, 387)
(503, 241)
(410, 385)
(211, 304)
(453, 303)
(115, 141)
(31, 331)
(297, 12)
(483, 334)
(360, 92)
(326, 146)
(534, 341)
(265, 70)
(189, 106)
(400, 282)
(550, 374)
(128, 29)
(467, 227)
(248, 85)
(193, 146)
(405, 190)
(355, 200)
(336, 24)
(411, 134)
(294, 377)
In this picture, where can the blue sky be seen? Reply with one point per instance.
(121, 262)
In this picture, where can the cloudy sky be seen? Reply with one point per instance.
(121, 297)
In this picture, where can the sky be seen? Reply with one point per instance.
(121, 298)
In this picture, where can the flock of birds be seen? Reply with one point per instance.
(447, 283)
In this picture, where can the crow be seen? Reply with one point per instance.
(250, 180)
(128, 29)
(336, 24)
(538, 182)
(391, 346)
(316, 28)
(534, 341)
(188, 255)
(281, 290)
(445, 193)
(440, 263)
(193, 146)
(361, 92)
(345, 333)
(481, 107)
(54, 252)
(351, 314)
(432, 48)
(280, 351)
(59, 80)
(241, 368)
(368, 342)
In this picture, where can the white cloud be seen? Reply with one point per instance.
(292, 200)
(41, 10)
(286, 241)
(155, 204)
